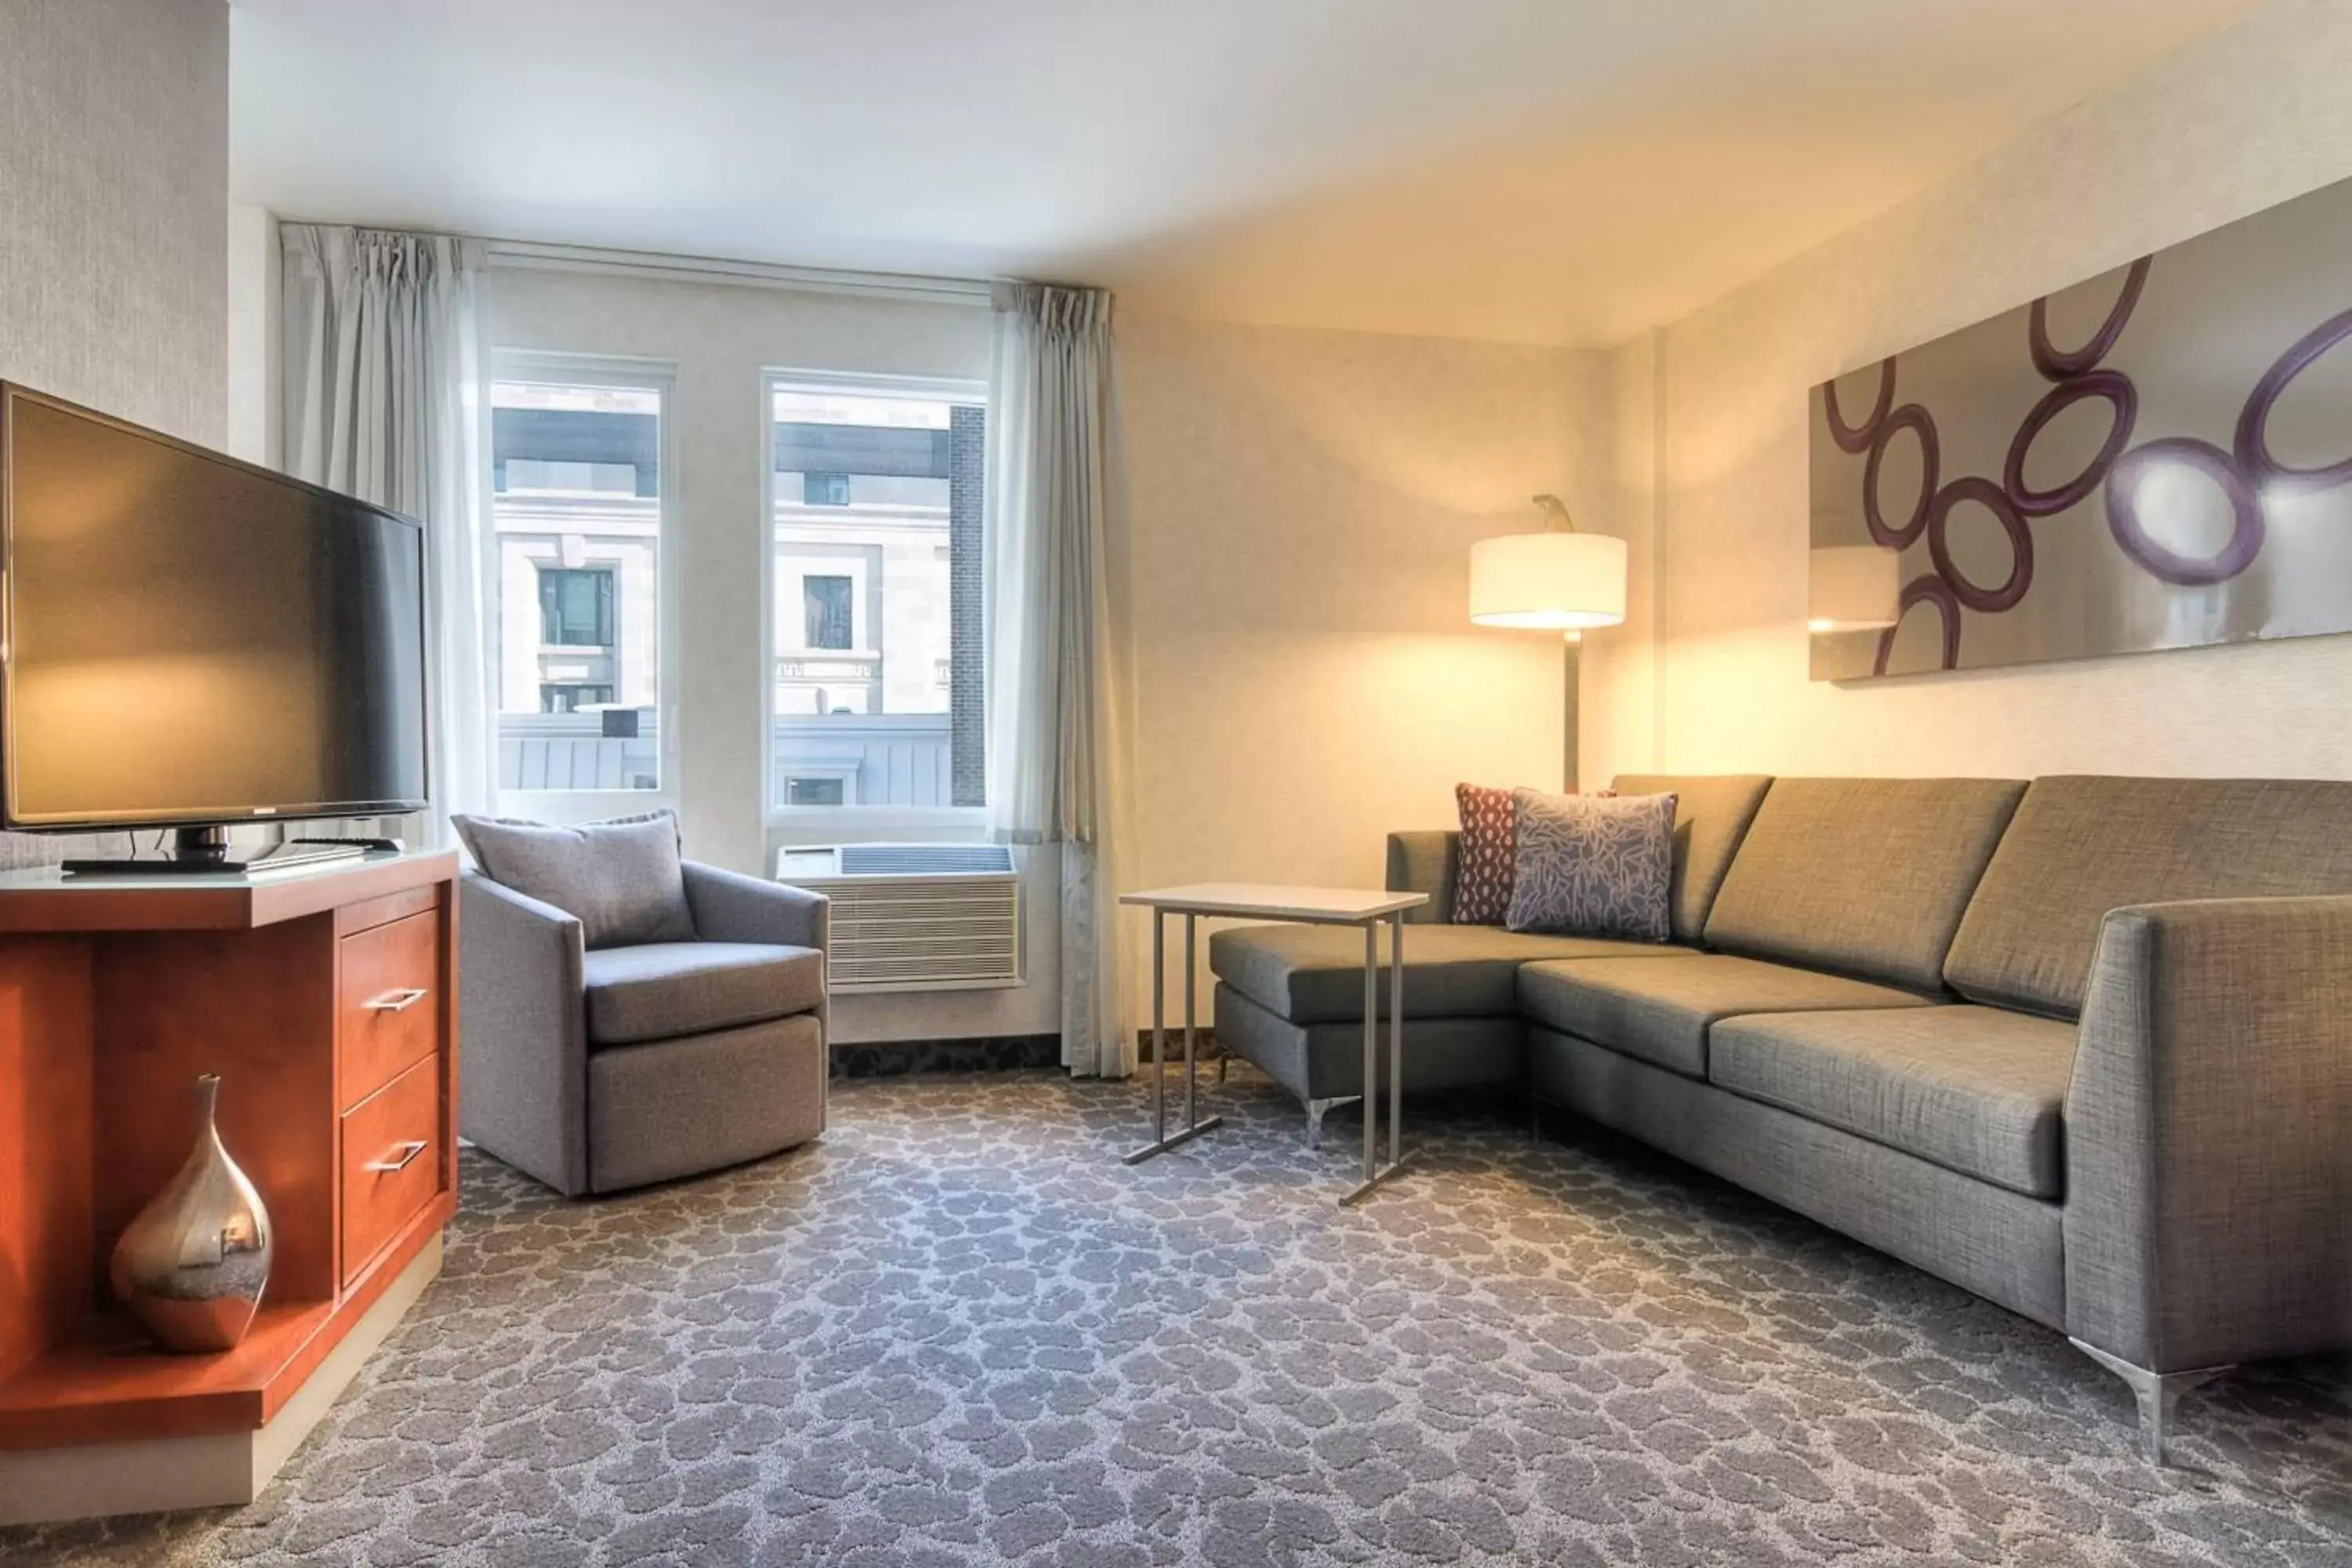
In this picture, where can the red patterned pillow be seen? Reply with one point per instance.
(1481, 879)
(1490, 849)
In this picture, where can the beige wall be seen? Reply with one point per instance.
(114, 207)
(2249, 118)
(1302, 506)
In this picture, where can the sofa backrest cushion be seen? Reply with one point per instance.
(2080, 847)
(1867, 877)
(1711, 816)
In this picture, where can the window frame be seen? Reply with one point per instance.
(546, 367)
(835, 824)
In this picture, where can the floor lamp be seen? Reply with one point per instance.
(1560, 580)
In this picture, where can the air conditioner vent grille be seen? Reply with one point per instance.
(924, 860)
(916, 917)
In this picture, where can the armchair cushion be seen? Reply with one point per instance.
(657, 991)
(623, 880)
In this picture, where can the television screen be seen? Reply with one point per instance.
(191, 639)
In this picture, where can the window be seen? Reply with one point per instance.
(577, 449)
(575, 607)
(570, 698)
(875, 632)
(828, 613)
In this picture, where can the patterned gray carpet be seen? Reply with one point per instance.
(959, 1331)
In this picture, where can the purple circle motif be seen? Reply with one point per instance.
(1928, 590)
(2057, 365)
(2122, 396)
(1855, 438)
(2254, 457)
(2184, 570)
(1989, 496)
(1920, 423)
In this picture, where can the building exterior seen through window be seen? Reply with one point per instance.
(577, 515)
(876, 555)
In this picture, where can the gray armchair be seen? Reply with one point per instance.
(599, 1070)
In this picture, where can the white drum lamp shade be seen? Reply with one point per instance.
(1852, 589)
(1547, 582)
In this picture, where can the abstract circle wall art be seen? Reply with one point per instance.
(2158, 456)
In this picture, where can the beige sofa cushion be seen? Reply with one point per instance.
(2081, 847)
(1660, 1009)
(1711, 816)
(1314, 975)
(1865, 876)
(1974, 1089)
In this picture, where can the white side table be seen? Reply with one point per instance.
(1307, 906)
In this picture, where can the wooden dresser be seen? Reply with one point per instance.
(326, 1000)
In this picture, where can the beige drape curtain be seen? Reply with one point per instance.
(383, 400)
(1059, 682)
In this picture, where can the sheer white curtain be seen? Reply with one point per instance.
(383, 400)
(1058, 693)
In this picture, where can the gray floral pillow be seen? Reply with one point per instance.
(1593, 865)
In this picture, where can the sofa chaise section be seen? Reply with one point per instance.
(1290, 999)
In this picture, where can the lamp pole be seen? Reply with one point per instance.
(1572, 660)
(1555, 512)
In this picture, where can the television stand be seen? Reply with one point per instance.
(326, 1005)
(196, 850)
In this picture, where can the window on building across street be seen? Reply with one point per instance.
(576, 465)
(827, 599)
(571, 698)
(575, 606)
(875, 694)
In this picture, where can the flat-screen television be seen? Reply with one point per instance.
(190, 641)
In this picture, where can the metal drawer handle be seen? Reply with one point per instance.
(402, 1160)
(398, 1001)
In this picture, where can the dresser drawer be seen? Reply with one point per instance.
(391, 1156)
(388, 1016)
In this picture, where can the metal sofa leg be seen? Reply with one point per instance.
(1315, 1109)
(2157, 1393)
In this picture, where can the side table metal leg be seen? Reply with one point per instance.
(1191, 1116)
(1375, 1173)
(1161, 1138)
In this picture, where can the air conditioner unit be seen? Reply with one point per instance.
(915, 917)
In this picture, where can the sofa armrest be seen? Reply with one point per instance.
(522, 1051)
(1425, 863)
(2209, 1134)
(731, 907)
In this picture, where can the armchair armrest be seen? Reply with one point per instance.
(1425, 862)
(2209, 1134)
(731, 907)
(522, 1053)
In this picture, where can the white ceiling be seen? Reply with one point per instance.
(1543, 171)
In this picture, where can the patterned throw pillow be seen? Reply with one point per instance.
(1593, 866)
(1482, 877)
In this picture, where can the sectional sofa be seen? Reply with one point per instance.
(2083, 1046)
